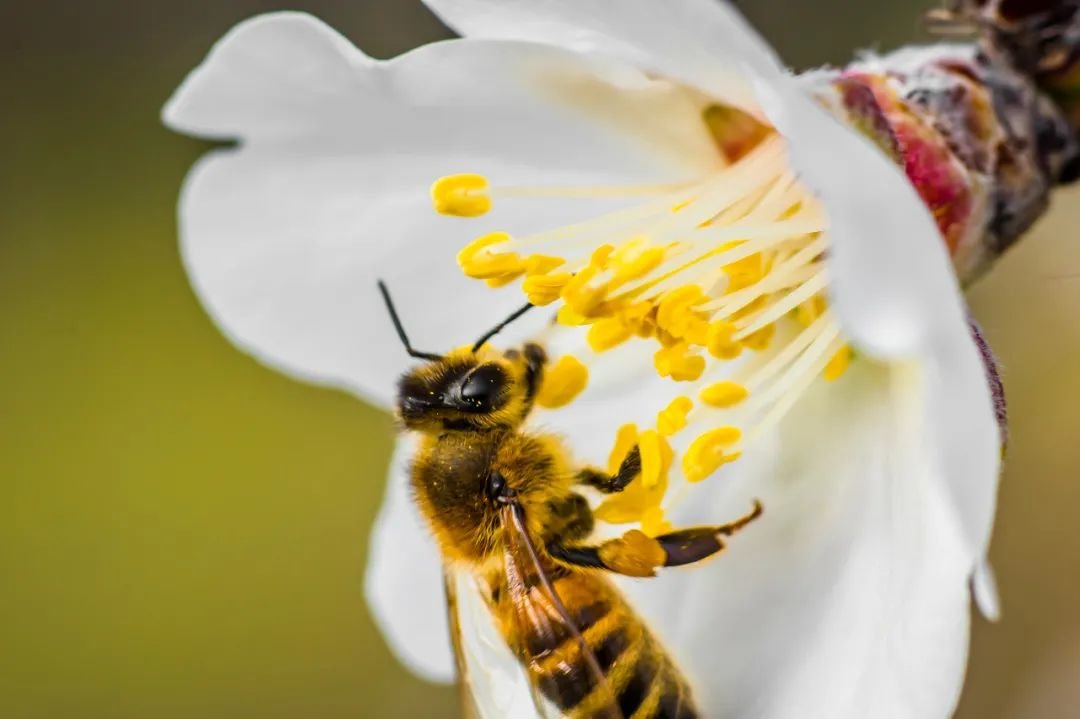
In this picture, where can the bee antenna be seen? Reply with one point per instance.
(401, 330)
(502, 325)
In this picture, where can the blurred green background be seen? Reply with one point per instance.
(182, 532)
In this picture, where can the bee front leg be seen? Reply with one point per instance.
(610, 483)
(636, 554)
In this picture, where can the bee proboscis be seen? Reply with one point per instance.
(527, 595)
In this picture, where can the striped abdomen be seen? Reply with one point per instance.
(638, 676)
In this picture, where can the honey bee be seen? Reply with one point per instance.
(520, 573)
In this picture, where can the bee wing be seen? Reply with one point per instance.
(541, 615)
(492, 681)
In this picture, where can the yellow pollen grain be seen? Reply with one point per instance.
(464, 195)
(562, 382)
(678, 363)
(838, 364)
(655, 458)
(545, 289)
(625, 439)
(672, 418)
(724, 394)
(606, 333)
(706, 453)
(478, 262)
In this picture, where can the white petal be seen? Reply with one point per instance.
(984, 590)
(895, 293)
(706, 44)
(404, 581)
(849, 597)
(285, 236)
(891, 279)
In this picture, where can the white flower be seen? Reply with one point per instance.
(850, 597)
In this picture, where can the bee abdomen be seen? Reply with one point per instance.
(637, 675)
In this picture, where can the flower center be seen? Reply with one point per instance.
(725, 275)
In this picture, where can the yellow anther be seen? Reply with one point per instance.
(633, 503)
(580, 295)
(625, 439)
(724, 394)
(463, 195)
(706, 453)
(673, 417)
(478, 262)
(761, 339)
(606, 333)
(545, 289)
(653, 522)
(810, 310)
(502, 280)
(562, 382)
(542, 264)
(656, 457)
(634, 314)
(735, 132)
(681, 206)
(600, 255)
(720, 341)
(675, 312)
(696, 330)
(639, 265)
(752, 307)
(743, 274)
(676, 362)
(570, 317)
(838, 364)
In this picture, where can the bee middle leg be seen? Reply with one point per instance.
(610, 483)
(636, 554)
(571, 518)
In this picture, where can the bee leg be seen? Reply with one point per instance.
(571, 517)
(610, 483)
(687, 546)
(636, 554)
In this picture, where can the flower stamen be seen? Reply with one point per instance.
(707, 269)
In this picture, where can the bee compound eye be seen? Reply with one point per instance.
(495, 489)
(480, 387)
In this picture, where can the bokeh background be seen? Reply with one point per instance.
(183, 532)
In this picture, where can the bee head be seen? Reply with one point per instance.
(473, 388)
(467, 390)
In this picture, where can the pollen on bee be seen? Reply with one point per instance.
(463, 195)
